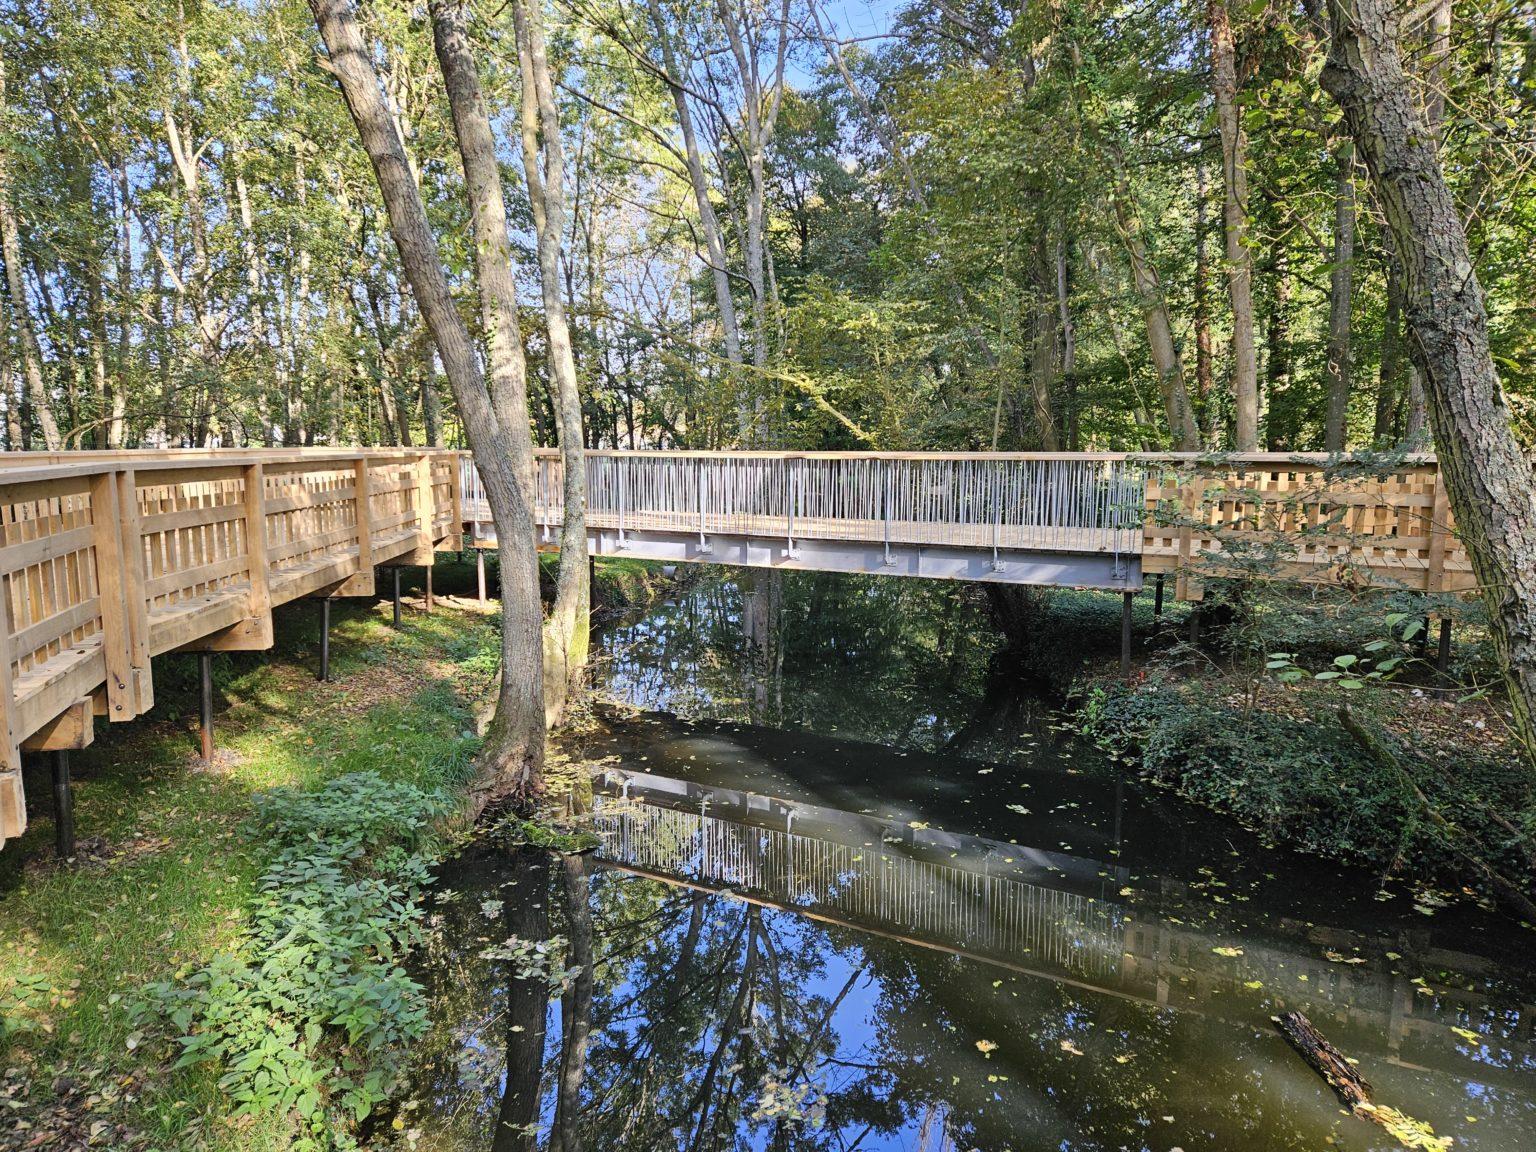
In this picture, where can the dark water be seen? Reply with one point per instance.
(865, 892)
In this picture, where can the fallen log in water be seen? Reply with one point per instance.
(1353, 1088)
(1329, 1062)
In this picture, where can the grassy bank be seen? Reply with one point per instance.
(1405, 774)
(261, 898)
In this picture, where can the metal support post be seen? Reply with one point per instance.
(480, 572)
(63, 807)
(1157, 600)
(429, 588)
(1443, 656)
(396, 571)
(1126, 599)
(325, 638)
(205, 675)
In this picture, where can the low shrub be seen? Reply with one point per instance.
(1302, 780)
(309, 1017)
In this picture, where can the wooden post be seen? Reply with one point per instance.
(361, 582)
(456, 501)
(426, 511)
(254, 633)
(13, 801)
(134, 594)
(63, 806)
(116, 640)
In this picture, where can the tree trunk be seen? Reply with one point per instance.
(514, 749)
(1336, 369)
(1234, 163)
(1205, 362)
(566, 634)
(1487, 474)
(21, 316)
(1169, 366)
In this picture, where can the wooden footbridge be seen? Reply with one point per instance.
(110, 559)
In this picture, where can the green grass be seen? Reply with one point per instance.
(174, 882)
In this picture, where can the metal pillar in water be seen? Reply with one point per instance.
(63, 807)
(205, 679)
(325, 638)
(1126, 599)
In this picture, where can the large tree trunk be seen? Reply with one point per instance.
(566, 634)
(1336, 365)
(1488, 476)
(514, 749)
(1234, 164)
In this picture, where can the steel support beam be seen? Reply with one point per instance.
(325, 638)
(480, 573)
(396, 571)
(205, 685)
(63, 806)
(1127, 599)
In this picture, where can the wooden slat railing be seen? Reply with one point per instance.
(108, 559)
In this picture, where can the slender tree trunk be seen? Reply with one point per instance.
(566, 634)
(1392, 374)
(1205, 363)
(575, 1006)
(1487, 474)
(1282, 428)
(1234, 163)
(1336, 368)
(514, 749)
(1166, 362)
(21, 316)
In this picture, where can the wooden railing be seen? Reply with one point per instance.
(110, 559)
(1296, 517)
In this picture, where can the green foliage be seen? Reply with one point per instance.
(309, 1016)
(1302, 780)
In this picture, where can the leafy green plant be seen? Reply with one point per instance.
(308, 1017)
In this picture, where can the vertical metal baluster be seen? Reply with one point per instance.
(619, 462)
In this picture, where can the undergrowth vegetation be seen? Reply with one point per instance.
(222, 969)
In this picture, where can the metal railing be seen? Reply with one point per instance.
(1002, 502)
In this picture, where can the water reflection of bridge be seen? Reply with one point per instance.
(1062, 917)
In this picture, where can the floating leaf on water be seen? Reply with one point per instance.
(985, 1046)
(1227, 951)
(1070, 1048)
(1468, 1034)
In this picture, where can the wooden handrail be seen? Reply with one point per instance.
(110, 558)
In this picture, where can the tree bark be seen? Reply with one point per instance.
(514, 749)
(1234, 164)
(1166, 362)
(1487, 474)
(1336, 367)
(21, 315)
(567, 632)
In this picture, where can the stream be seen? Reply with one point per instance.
(859, 887)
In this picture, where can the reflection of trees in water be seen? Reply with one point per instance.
(712, 1024)
(901, 662)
